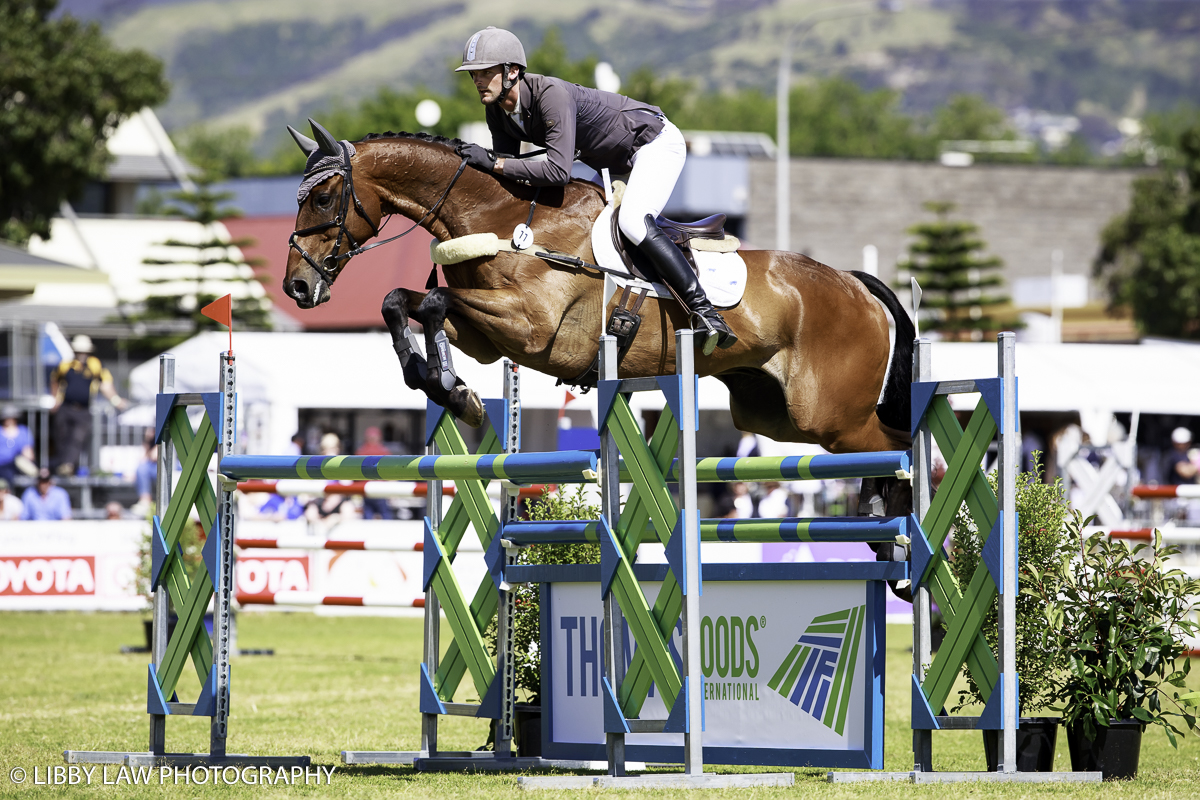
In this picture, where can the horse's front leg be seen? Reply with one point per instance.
(442, 385)
(412, 363)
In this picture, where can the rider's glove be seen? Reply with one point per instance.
(477, 156)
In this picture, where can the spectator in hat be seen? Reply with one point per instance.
(74, 385)
(16, 446)
(1177, 464)
(11, 506)
(45, 500)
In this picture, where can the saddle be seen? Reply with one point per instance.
(684, 235)
(707, 234)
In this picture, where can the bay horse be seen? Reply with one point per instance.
(810, 364)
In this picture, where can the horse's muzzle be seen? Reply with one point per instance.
(307, 294)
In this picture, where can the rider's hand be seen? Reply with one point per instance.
(477, 156)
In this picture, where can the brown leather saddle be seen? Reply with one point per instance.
(681, 233)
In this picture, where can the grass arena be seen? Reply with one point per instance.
(337, 690)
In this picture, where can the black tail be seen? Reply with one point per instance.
(896, 409)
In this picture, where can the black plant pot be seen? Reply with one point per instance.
(527, 720)
(1036, 737)
(1114, 752)
(148, 628)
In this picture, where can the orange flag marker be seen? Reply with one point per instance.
(221, 310)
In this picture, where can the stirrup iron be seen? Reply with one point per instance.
(709, 334)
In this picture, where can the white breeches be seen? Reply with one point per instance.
(656, 168)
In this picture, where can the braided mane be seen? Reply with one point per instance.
(419, 136)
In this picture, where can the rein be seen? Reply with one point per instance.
(332, 264)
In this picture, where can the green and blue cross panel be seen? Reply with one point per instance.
(649, 510)
(189, 594)
(964, 608)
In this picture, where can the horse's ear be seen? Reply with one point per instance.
(306, 144)
(325, 140)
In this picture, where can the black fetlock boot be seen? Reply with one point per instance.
(676, 273)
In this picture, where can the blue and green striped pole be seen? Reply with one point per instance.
(886, 463)
(791, 529)
(573, 466)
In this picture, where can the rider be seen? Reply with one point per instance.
(608, 131)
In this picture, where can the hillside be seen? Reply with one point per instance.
(266, 62)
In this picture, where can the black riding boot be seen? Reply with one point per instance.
(674, 271)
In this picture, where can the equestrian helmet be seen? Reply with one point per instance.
(492, 46)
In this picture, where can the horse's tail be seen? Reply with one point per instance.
(895, 410)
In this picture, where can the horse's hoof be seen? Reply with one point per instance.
(466, 405)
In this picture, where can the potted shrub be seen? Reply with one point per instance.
(1042, 542)
(527, 722)
(1119, 615)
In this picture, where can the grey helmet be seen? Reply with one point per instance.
(492, 46)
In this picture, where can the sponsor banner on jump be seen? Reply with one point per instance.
(785, 665)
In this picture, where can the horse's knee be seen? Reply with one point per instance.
(395, 310)
(432, 310)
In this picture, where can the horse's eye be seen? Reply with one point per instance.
(324, 199)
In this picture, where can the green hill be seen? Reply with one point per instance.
(264, 62)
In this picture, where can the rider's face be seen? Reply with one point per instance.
(489, 83)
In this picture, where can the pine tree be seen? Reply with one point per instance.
(210, 264)
(954, 278)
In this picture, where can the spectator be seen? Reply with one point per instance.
(1177, 463)
(296, 446)
(775, 503)
(147, 473)
(748, 445)
(372, 444)
(374, 507)
(278, 508)
(16, 446)
(114, 510)
(743, 501)
(331, 444)
(337, 506)
(45, 501)
(10, 505)
(73, 385)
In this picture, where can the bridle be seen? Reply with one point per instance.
(332, 264)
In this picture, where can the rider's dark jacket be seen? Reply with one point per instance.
(606, 129)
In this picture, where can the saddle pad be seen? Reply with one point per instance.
(723, 275)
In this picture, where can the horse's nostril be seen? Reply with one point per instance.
(298, 288)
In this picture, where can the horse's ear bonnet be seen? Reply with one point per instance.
(326, 158)
(306, 144)
(325, 140)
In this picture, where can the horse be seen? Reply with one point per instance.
(811, 363)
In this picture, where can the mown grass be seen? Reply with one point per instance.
(338, 683)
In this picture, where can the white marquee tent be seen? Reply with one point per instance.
(280, 373)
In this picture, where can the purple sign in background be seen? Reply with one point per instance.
(897, 609)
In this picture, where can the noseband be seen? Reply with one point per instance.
(332, 264)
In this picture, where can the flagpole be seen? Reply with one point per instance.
(221, 310)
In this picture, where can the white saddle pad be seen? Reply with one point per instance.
(723, 275)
